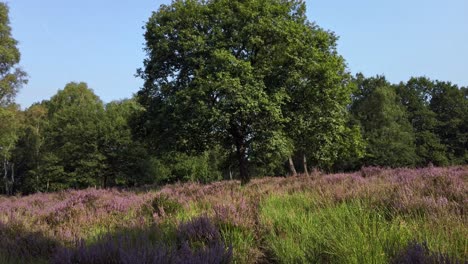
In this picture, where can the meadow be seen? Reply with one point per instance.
(374, 215)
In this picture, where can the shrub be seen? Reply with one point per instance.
(163, 206)
(203, 168)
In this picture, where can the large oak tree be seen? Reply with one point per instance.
(222, 72)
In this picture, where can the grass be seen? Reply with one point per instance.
(243, 242)
(305, 228)
(301, 231)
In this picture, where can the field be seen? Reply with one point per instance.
(372, 216)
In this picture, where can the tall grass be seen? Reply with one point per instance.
(305, 228)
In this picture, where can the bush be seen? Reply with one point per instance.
(203, 168)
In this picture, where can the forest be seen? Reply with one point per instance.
(250, 141)
(226, 97)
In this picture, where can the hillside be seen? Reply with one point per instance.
(371, 216)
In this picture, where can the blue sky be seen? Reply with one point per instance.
(101, 41)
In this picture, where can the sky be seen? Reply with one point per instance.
(101, 42)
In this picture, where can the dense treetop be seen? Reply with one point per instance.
(236, 73)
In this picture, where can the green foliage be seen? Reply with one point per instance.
(415, 95)
(351, 150)
(11, 76)
(318, 89)
(72, 136)
(450, 104)
(125, 158)
(11, 80)
(420, 122)
(389, 136)
(9, 126)
(29, 150)
(177, 166)
(221, 72)
(73, 141)
(157, 171)
(195, 168)
(60, 143)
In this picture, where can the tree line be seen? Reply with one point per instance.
(232, 89)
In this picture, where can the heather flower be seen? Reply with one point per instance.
(23, 244)
(140, 248)
(199, 229)
(367, 172)
(416, 253)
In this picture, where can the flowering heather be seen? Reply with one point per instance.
(208, 221)
(198, 242)
(66, 216)
(199, 229)
(416, 253)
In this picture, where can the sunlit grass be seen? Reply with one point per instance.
(303, 228)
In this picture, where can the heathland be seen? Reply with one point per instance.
(366, 171)
(374, 215)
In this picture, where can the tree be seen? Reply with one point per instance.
(11, 76)
(72, 158)
(9, 125)
(416, 96)
(29, 149)
(11, 79)
(220, 72)
(319, 90)
(125, 158)
(388, 134)
(450, 104)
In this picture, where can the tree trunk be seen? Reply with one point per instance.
(243, 163)
(306, 171)
(244, 172)
(239, 140)
(104, 181)
(291, 167)
(5, 175)
(12, 177)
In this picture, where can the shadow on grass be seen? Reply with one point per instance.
(195, 241)
(18, 245)
(419, 253)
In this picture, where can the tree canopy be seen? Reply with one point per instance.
(228, 72)
(389, 135)
(12, 77)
